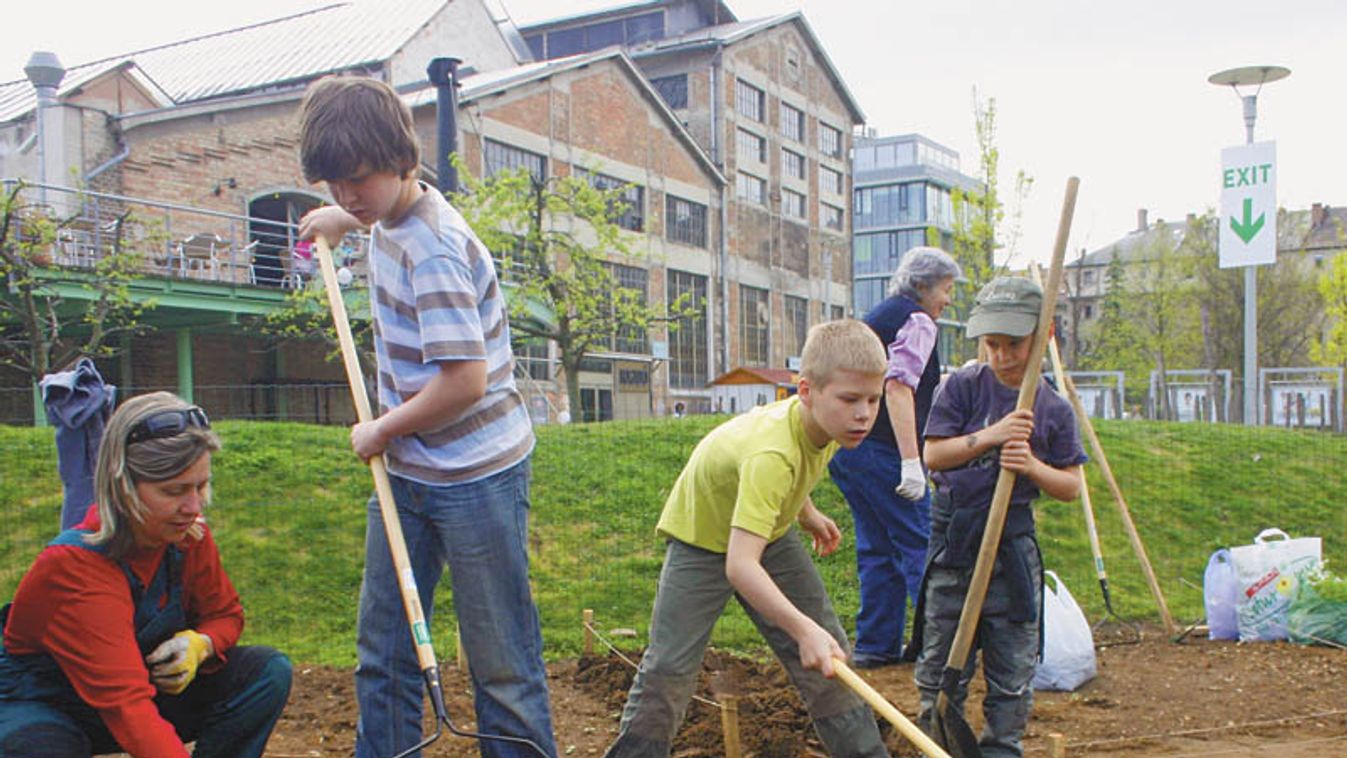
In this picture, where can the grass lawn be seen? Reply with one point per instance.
(290, 503)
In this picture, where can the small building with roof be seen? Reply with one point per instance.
(747, 387)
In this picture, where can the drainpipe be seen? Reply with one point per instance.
(443, 73)
(109, 163)
(716, 157)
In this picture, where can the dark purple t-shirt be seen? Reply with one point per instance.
(971, 399)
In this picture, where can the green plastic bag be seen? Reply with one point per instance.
(1318, 614)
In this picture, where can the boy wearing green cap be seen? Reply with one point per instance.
(974, 431)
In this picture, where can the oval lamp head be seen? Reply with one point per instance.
(1249, 75)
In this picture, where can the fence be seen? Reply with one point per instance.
(290, 508)
(306, 402)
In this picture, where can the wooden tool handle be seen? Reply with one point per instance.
(411, 601)
(1068, 388)
(1005, 482)
(1133, 535)
(884, 708)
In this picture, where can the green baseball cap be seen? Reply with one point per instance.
(1006, 305)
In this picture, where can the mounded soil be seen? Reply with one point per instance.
(1152, 697)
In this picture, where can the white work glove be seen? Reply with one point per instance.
(173, 664)
(913, 484)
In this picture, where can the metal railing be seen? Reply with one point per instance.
(179, 241)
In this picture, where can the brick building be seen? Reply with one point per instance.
(205, 132)
(765, 102)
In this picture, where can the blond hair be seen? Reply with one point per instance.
(350, 124)
(846, 344)
(122, 466)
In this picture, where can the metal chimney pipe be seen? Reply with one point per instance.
(443, 73)
(45, 72)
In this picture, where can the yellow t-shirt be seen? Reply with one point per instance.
(752, 472)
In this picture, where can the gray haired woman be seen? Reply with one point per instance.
(121, 635)
(882, 479)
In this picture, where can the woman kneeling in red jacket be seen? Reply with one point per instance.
(121, 636)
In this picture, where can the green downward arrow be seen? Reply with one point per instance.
(1249, 228)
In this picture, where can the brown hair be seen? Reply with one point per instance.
(845, 344)
(121, 466)
(350, 124)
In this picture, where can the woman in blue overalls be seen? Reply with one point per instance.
(121, 635)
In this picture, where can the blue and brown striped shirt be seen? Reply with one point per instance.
(435, 297)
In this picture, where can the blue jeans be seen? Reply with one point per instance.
(891, 537)
(229, 713)
(480, 529)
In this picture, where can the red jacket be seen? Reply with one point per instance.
(75, 605)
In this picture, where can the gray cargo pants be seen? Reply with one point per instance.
(1009, 649)
(692, 594)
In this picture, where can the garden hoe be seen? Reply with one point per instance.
(411, 601)
(884, 708)
(948, 725)
(1068, 388)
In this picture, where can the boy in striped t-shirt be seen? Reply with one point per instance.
(452, 425)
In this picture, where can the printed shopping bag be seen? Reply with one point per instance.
(1269, 572)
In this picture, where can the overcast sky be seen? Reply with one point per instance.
(1112, 92)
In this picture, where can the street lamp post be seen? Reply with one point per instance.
(1252, 76)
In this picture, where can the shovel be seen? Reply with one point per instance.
(883, 707)
(948, 725)
(411, 601)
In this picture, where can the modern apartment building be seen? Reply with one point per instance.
(902, 197)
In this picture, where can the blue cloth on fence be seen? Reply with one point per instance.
(78, 404)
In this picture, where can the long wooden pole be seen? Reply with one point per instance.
(1091, 528)
(884, 708)
(1005, 482)
(1132, 534)
(411, 601)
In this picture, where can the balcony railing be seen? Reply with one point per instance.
(178, 241)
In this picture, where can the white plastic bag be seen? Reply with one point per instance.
(1269, 571)
(1068, 644)
(1220, 590)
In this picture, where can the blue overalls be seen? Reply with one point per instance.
(229, 712)
(892, 532)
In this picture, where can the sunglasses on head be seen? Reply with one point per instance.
(167, 424)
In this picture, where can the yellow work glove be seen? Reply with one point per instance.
(173, 664)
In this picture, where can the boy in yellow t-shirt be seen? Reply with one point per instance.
(728, 522)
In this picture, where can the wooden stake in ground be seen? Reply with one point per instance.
(729, 725)
(588, 616)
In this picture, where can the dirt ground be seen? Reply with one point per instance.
(1154, 697)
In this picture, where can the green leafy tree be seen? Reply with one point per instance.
(981, 229)
(556, 238)
(1114, 342)
(1291, 308)
(306, 316)
(40, 329)
(1154, 322)
(1333, 289)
